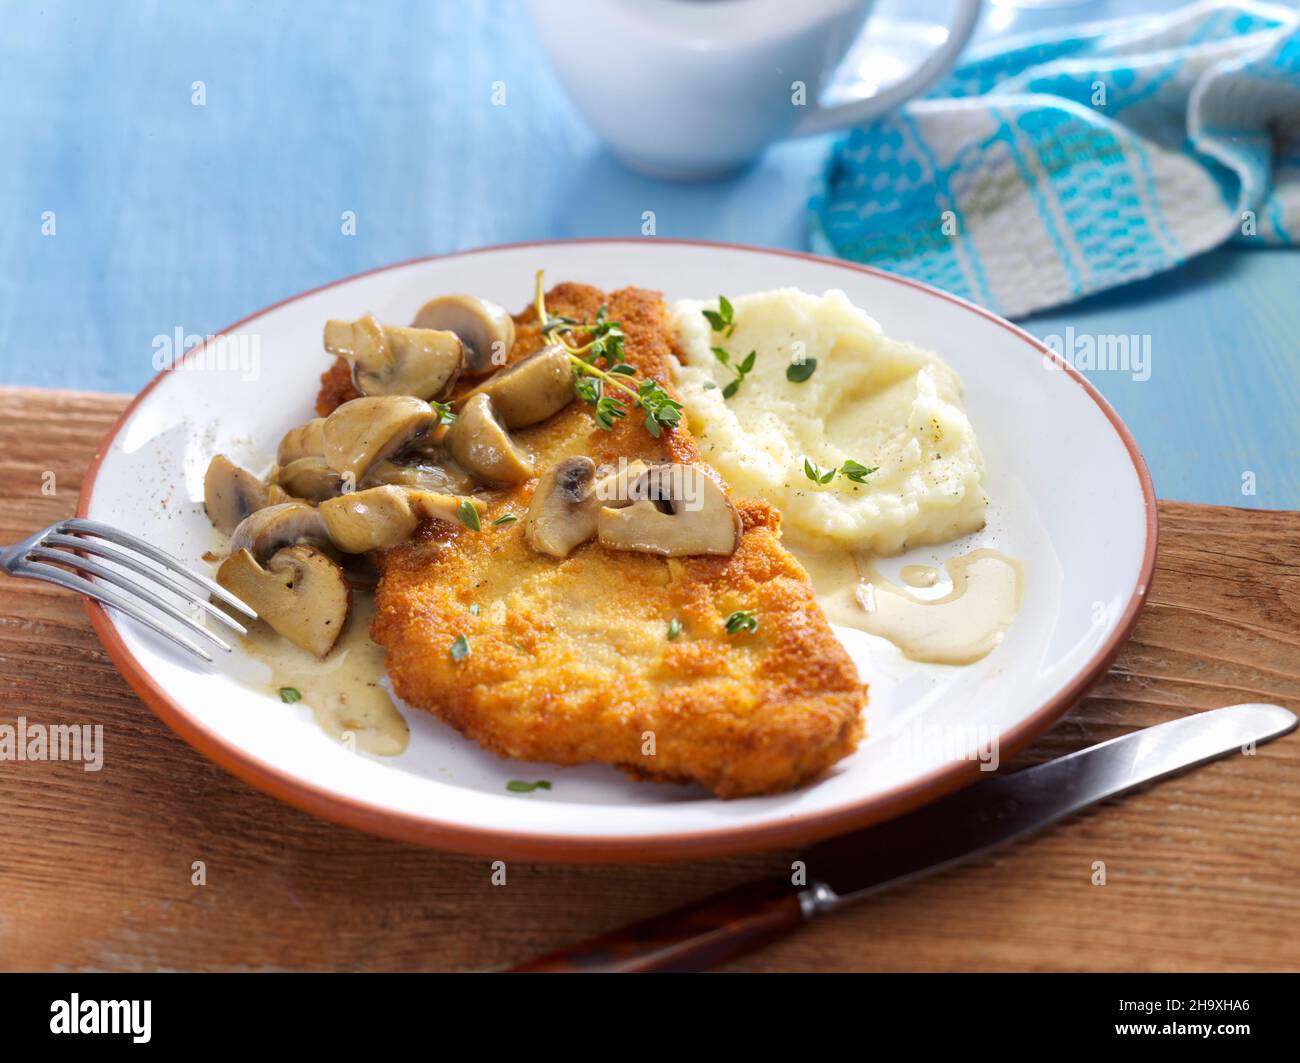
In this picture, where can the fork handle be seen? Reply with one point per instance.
(701, 935)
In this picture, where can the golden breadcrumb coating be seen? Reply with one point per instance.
(569, 660)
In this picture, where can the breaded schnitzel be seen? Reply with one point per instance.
(569, 660)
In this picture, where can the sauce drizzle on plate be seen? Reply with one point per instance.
(959, 627)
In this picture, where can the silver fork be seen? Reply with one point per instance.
(36, 557)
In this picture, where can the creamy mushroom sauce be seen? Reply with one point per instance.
(919, 575)
(344, 691)
(959, 627)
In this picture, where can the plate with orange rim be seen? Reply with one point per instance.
(1070, 498)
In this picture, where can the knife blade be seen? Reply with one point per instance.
(1006, 807)
(955, 828)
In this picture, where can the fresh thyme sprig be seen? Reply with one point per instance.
(816, 473)
(722, 320)
(594, 384)
(850, 470)
(856, 471)
(740, 370)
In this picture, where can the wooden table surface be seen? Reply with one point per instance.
(1202, 871)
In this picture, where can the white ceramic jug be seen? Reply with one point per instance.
(687, 89)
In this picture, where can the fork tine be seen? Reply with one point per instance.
(121, 557)
(84, 564)
(121, 538)
(108, 596)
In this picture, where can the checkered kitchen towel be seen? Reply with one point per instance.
(1056, 166)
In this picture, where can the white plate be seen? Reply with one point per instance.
(1071, 498)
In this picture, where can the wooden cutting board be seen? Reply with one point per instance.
(96, 869)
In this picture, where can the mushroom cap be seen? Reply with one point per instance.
(679, 510)
(395, 359)
(532, 389)
(483, 448)
(268, 530)
(567, 501)
(365, 431)
(485, 328)
(231, 493)
(373, 519)
(380, 517)
(300, 593)
(304, 441)
(310, 478)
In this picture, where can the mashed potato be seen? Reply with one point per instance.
(870, 399)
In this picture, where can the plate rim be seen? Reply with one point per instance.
(743, 838)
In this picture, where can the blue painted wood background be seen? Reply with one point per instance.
(173, 215)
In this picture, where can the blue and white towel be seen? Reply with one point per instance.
(1056, 166)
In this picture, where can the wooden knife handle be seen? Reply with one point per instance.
(693, 938)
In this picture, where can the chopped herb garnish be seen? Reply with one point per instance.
(459, 648)
(468, 515)
(674, 628)
(518, 786)
(742, 620)
(722, 319)
(856, 471)
(505, 518)
(740, 369)
(443, 410)
(598, 386)
(290, 694)
(473, 609)
(798, 372)
(817, 474)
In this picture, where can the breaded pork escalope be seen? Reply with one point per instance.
(569, 659)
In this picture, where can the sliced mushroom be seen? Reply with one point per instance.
(483, 448)
(427, 475)
(365, 431)
(301, 593)
(568, 500)
(266, 531)
(680, 510)
(309, 478)
(230, 493)
(530, 390)
(380, 517)
(305, 441)
(394, 359)
(483, 327)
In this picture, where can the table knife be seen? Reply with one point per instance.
(981, 817)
